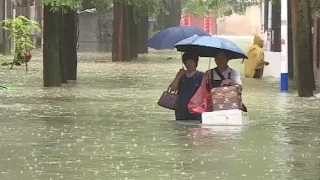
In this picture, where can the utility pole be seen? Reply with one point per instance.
(290, 46)
(284, 46)
(276, 26)
(266, 15)
(261, 18)
(269, 36)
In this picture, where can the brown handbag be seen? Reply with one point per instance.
(169, 99)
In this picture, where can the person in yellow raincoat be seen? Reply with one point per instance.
(254, 65)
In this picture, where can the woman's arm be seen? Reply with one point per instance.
(261, 60)
(235, 79)
(176, 81)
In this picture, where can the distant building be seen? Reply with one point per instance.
(95, 31)
(207, 23)
(238, 25)
(241, 25)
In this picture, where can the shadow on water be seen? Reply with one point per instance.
(107, 124)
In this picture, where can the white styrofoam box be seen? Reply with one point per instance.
(224, 129)
(232, 117)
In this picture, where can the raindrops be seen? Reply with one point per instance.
(109, 125)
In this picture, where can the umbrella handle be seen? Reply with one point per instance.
(181, 61)
(209, 63)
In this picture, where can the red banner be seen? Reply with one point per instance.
(207, 24)
(185, 20)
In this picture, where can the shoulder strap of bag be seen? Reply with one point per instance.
(219, 73)
(211, 74)
(208, 83)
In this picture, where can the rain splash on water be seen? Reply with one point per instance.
(106, 125)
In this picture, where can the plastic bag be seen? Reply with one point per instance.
(201, 100)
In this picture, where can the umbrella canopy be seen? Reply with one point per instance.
(167, 38)
(208, 46)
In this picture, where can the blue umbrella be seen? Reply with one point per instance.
(167, 38)
(208, 46)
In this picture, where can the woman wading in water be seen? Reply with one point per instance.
(187, 83)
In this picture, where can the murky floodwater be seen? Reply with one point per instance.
(107, 126)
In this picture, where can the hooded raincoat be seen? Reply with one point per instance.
(254, 65)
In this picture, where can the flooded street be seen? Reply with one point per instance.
(107, 125)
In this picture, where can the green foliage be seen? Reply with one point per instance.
(64, 5)
(218, 8)
(195, 7)
(152, 33)
(3, 59)
(142, 7)
(147, 7)
(102, 4)
(20, 29)
(57, 3)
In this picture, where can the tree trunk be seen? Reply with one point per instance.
(121, 38)
(159, 26)
(2, 31)
(143, 34)
(301, 30)
(306, 12)
(39, 17)
(51, 64)
(62, 46)
(70, 39)
(316, 47)
(276, 27)
(126, 33)
(172, 17)
(133, 33)
(115, 33)
(6, 49)
(290, 45)
(317, 43)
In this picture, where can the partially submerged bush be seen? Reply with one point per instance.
(20, 29)
(3, 59)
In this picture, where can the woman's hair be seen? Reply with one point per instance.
(187, 56)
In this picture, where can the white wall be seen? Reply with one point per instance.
(245, 24)
(273, 69)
